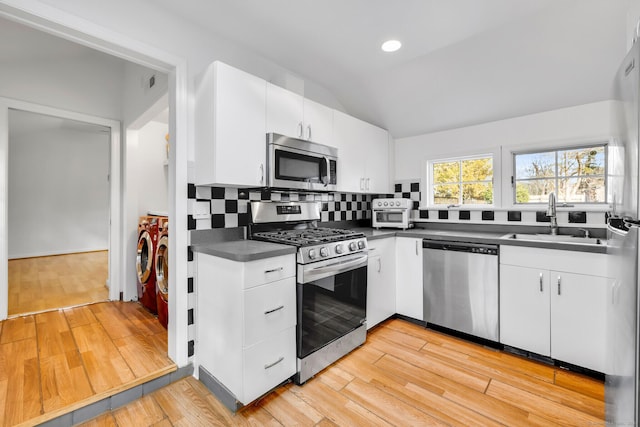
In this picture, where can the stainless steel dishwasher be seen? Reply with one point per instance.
(461, 287)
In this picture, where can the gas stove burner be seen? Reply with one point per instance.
(308, 236)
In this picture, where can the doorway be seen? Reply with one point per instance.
(58, 212)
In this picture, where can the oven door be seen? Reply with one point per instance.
(332, 302)
(391, 218)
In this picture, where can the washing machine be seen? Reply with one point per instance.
(148, 234)
(161, 264)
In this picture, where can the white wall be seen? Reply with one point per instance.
(90, 84)
(151, 168)
(584, 121)
(58, 191)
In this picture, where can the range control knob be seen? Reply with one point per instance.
(361, 244)
(379, 203)
(312, 253)
(397, 203)
(324, 252)
(353, 246)
(339, 249)
(386, 203)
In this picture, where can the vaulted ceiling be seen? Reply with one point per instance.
(462, 62)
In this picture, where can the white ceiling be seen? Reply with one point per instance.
(463, 62)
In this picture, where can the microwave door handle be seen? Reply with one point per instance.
(325, 178)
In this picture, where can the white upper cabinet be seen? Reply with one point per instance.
(318, 123)
(230, 123)
(293, 115)
(363, 155)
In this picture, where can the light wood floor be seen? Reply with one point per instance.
(54, 362)
(404, 375)
(45, 283)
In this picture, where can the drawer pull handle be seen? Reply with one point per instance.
(274, 310)
(274, 270)
(271, 365)
(540, 282)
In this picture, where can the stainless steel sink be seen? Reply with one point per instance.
(558, 238)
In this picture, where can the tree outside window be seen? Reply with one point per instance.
(463, 181)
(576, 175)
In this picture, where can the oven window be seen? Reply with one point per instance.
(330, 308)
(298, 167)
(390, 217)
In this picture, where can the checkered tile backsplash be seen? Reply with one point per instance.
(226, 207)
(409, 189)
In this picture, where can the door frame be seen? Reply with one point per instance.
(115, 223)
(72, 27)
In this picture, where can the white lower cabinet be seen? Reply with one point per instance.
(381, 281)
(246, 334)
(409, 292)
(554, 303)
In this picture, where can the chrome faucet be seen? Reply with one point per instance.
(551, 213)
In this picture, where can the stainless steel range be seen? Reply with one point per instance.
(331, 281)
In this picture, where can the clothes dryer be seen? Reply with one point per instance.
(148, 233)
(161, 264)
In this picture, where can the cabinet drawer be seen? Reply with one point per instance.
(269, 363)
(269, 270)
(268, 309)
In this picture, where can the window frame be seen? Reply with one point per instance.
(556, 149)
(495, 165)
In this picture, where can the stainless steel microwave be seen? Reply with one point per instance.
(297, 164)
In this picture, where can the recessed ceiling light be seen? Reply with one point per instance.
(391, 45)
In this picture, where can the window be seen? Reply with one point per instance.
(576, 175)
(464, 181)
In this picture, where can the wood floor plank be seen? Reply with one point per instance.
(580, 384)
(552, 411)
(518, 379)
(458, 393)
(336, 406)
(289, 409)
(386, 406)
(434, 404)
(19, 382)
(184, 406)
(463, 376)
(105, 420)
(145, 323)
(80, 316)
(141, 412)
(335, 377)
(116, 325)
(51, 282)
(17, 329)
(62, 376)
(141, 354)
(251, 415)
(105, 366)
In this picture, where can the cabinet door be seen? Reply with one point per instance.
(318, 123)
(409, 292)
(284, 111)
(578, 316)
(347, 133)
(230, 124)
(381, 282)
(524, 308)
(377, 161)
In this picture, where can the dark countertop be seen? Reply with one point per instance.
(244, 250)
(496, 238)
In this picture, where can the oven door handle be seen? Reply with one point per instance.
(333, 268)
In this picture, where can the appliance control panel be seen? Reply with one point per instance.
(331, 250)
(381, 204)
